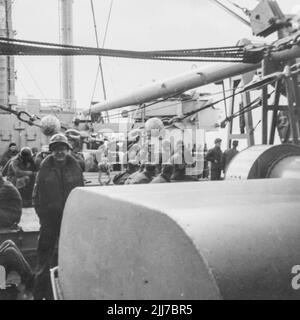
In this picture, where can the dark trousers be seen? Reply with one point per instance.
(46, 254)
(12, 259)
(215, 174)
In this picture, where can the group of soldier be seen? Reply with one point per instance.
(220, 160)
(53, 179)
(45, 179)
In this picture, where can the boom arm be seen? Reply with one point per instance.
(176, 85)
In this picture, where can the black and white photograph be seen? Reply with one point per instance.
(149, 153)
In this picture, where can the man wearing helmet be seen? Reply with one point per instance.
(59, 174)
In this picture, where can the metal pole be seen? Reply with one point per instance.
(3, 59)
(275, 112)
(66, 37)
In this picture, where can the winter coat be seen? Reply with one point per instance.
(10, 204)
(53, 186)
(215, 156)
(18, 170)
(7, 156)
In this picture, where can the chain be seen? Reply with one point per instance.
(23, 116)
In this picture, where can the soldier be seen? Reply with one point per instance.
(229, 154)
(59, 174)
(144, 176)
(12, 259)
(10, 204)
(180, 160)
(10, 153)
(165, 175)
(120, 178)
(215, 156)
(21, 172)
(43, 154)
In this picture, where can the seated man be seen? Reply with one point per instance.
(165, 175)
(10, 204)
(144, 176)
(21, 172)
(120, 178)
(11, 259)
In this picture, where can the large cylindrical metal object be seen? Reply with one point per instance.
(265, 161)
(66, 63)
(175, 85)
(199, 240)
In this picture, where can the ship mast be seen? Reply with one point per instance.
(66, 63)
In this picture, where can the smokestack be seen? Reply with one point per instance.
(66, 63)
(7, 75)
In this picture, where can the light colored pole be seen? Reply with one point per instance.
(66, 63)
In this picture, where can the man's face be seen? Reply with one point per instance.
(60, 152)
(218, 144)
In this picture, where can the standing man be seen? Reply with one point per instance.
(229, 154)
(59, 174)
(215, 156)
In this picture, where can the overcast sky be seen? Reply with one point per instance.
(134, 24)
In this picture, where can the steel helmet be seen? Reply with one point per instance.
(26, 152)
(58, 138)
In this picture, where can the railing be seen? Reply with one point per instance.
(58, 104)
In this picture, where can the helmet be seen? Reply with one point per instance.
(26, 152)
(58, 138)
(235, 143)
(156, 127)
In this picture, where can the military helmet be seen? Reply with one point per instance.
(26, 152)
(58, 138)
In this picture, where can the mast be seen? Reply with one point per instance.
(66, 63)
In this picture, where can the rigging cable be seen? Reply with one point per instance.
(100, 67)
(219, 54)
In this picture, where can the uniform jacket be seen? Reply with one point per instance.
(139, 178)
(215, 156)
(53, 186)
(160, 179)
(121, 178)
(17, 168)
(7, 156)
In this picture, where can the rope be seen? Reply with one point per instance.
(221, 54)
